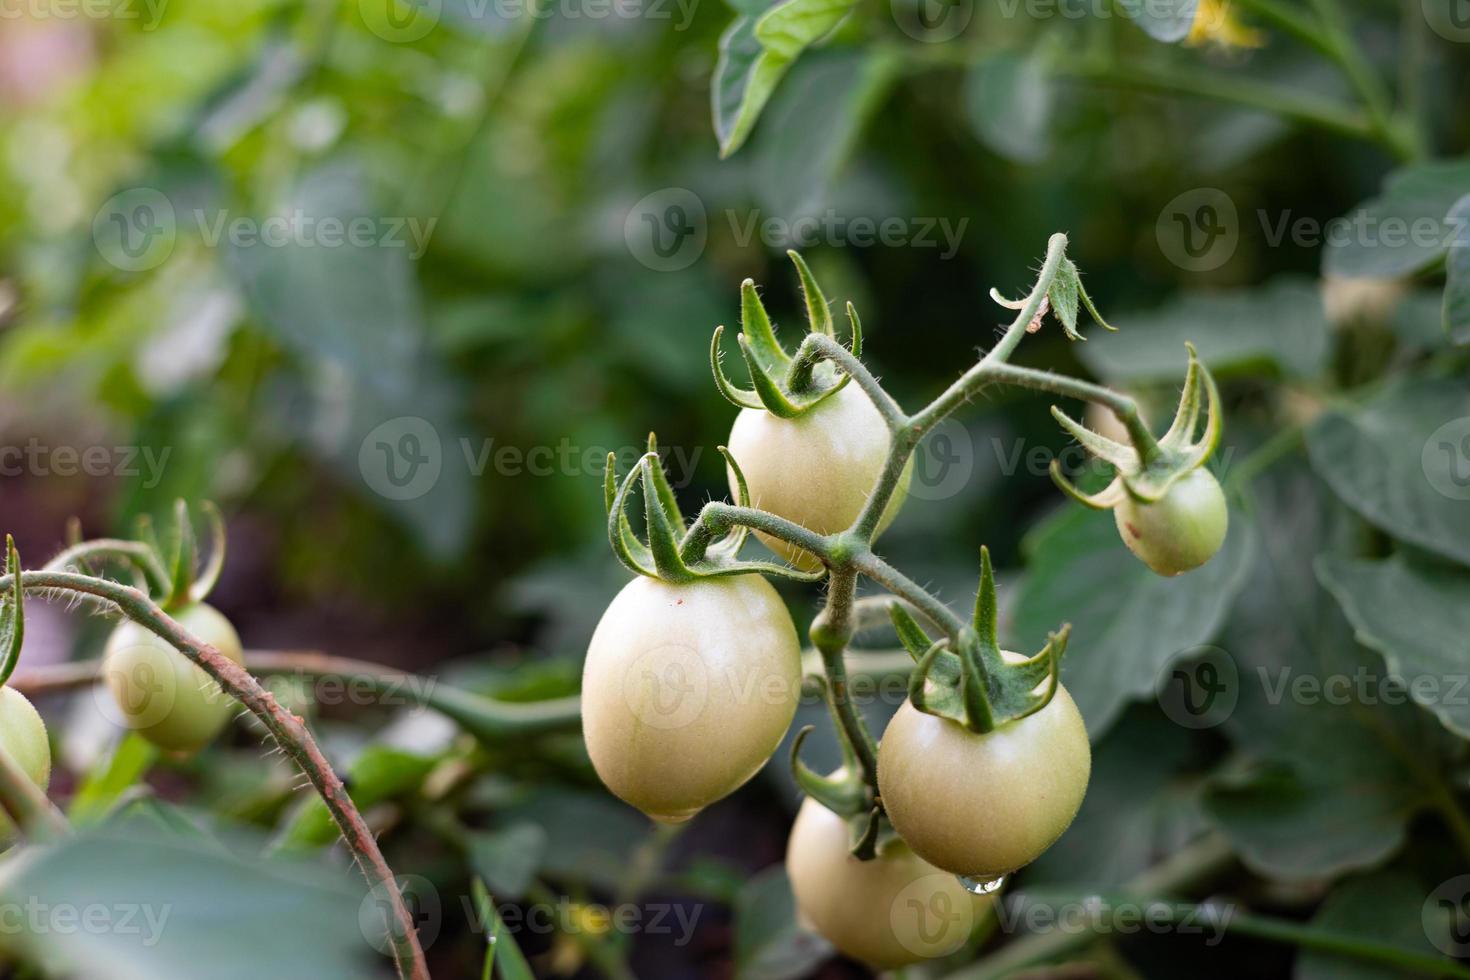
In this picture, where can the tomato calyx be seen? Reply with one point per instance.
(844, 792)
(1148, 469)
(676, 552)
(974, 684)
(781, 384)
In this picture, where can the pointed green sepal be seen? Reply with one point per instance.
(755, 327)
(733, 394)
(209, 575)
(818, 313)
(842, 793)
(185, 557)
(12, 613)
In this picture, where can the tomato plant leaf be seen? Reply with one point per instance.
(1404, 229)
(755, 53)
(1330, 769)
(1457, 270)
(1128, 624)
(1418, 618)
(1142, 798)
(1279, 327)
(769, 945)
(508, 859)
(1402, 460)
(1387, 908)
(172, 889)
(1008, 104)
(112, 776)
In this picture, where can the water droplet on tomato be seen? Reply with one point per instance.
(982, 886)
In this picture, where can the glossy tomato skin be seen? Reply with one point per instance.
(688, 689)
(816, 469)
(889, 912)
(978, 805)
(160, 693)
(1180, 532)
(23, 734)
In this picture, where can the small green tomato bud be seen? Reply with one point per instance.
(1180, 532)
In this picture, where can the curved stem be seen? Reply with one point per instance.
(27, 804)
(288, 730)
(718, 517)
(136, 553)
(1125, 408)
(831, 634)
(819, 346)
(484, 717)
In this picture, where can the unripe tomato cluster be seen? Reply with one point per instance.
(159, 692)
(693, 675)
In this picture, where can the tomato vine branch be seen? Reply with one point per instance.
(288, 730)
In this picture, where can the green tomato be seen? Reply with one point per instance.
(688, 689)
(163, 695)
(23, 734)
(978, 805)
(1180, 532)
(817, 469)
(889, 912)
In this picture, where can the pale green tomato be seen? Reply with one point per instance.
(1180, 532)
(889, 912)
(817, 469)
(23, 735)
(688, 689)
(161, 694)
(982, 806)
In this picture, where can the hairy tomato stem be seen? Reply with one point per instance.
(289, 730)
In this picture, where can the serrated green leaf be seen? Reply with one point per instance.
(1400, 460)
(1403, 230)
(1128, 624)
(1418, 618)
(1330, 780)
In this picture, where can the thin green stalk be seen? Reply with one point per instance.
(1321, 113)
(288, 730)
(831, 633)
(1125, 408)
